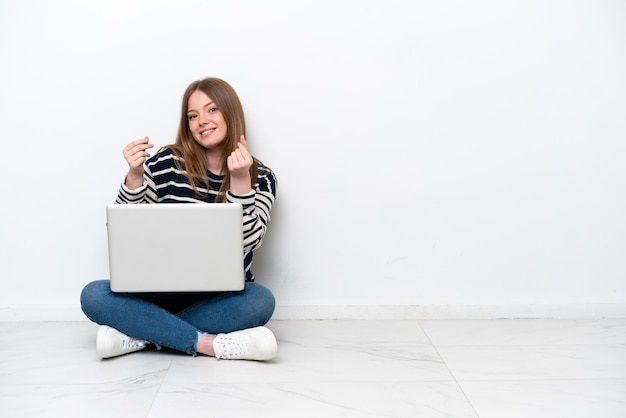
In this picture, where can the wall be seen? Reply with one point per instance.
(435, 159)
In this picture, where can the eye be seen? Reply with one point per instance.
(191, 117)
(212, 109)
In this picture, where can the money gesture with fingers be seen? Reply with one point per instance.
(135, 155)
(239, 163)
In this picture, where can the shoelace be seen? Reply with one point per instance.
(132, 344)
(230, 348)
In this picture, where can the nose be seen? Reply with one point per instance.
(204, 118)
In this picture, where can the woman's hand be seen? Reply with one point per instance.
(239, 163)
(135, 154)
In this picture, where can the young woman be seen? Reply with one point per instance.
(209, 162)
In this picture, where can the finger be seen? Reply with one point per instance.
(236, 158)
(140, 149)
(243, 141)
(136, 146)
(140, 155)
(144, 140)
(243, 151)
(136, 153)
(137, 160)
(240, 159)
(232, 164)
(142, 144)
(133, 153)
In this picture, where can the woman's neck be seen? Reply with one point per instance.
(215, 162)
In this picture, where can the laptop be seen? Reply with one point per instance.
(175, 247)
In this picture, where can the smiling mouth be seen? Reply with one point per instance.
(206, 131)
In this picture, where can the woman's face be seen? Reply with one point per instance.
(206, 122)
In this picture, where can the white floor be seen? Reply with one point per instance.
(446, 368)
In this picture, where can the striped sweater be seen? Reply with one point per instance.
(164, 183)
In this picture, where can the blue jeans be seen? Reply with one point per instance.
(176, 320)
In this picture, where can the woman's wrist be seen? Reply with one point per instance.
(133, 181)
(240, 185)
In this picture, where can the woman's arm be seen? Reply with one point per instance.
(257, 206)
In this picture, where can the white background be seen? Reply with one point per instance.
(439, 155)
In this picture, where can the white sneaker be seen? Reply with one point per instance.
(111, 343)
(249, 344)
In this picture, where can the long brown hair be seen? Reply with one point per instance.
(192, 153)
